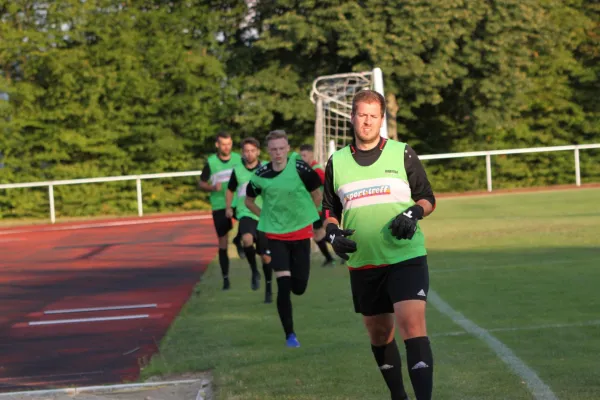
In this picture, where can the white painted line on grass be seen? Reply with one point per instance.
(92, 309)
(108, 224)
(537, 387)
(525, 328)
(80, 320)
(107, 388)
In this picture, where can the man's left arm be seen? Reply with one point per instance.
(311, 180)
(420, 188)
(404, 225)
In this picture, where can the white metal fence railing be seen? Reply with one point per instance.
(139, 178)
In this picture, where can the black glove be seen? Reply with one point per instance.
(340, 243)
(404, 225)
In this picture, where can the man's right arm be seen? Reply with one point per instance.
(332, 206)
(204, 178)
(252, 192)
(231, 187)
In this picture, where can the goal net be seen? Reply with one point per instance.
(332, 96)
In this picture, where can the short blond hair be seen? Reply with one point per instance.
(276, 134)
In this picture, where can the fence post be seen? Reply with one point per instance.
(51, 198)
(488, 171)
(577, 169)
(138, 184)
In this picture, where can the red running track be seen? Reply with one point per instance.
(53, 280)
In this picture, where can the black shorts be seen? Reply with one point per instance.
(291, 255)
(249, 225)
(222, 224)
(376, 290)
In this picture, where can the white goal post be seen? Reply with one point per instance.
(332, 96)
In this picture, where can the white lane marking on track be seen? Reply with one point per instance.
(107, 224)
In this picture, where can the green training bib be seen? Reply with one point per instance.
(287, 205)
(371, 198)
(220, 172)
(243, 175)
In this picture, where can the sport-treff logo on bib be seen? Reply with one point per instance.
(380, 190)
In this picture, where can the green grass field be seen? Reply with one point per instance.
(523, 267)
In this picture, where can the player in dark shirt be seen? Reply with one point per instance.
(248, 221)
(213, 179)
(290, 191)
(378, 190)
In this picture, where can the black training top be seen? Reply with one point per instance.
(417, 178)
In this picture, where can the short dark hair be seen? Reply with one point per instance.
(276, 134)
(222, 135)
(368, 96)
(307, 147)
(250, 140)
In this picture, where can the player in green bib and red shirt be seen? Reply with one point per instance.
(290, 191)
(214, 178)
(248, 221)
(378, 190)
(307, 153)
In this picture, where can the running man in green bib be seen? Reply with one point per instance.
(378, 190)
(214, 178)
(248, 221)
(307, 153)
(290, 191)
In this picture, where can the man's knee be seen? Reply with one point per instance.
(266, 258)
(380, 328)
(410, 317)
(281, 274)
(247, 239)
(223, 241)
(299, 286)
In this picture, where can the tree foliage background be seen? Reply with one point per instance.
(102, 88)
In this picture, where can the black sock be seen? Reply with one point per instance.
(251, 257)
(390, 365)
(268, 272)
(284, 304)
(324, 249)
(420, 366)
(224, 263)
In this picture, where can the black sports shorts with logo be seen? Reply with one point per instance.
(291, 255)
(376, 290)
(250, 225)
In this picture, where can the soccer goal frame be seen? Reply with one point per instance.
(332, 96)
